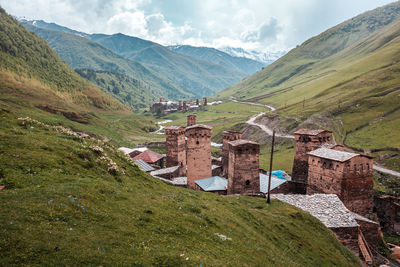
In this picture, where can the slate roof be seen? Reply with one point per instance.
(164, 171)
(199, 126)
(325, 207)
(144, 166)
(173, 127)
(332, 154)
(310, 132)
(275, 182)
(242, 142)
(214, 183)
(149, 156)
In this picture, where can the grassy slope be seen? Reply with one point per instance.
(349, 90)
(79, 52)
(68, 210)
(129, 91)
(195, 76)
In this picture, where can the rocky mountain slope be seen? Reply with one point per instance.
(243, 64)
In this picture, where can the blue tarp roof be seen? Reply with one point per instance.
(278, 173)
(275, 182)
(214, 183)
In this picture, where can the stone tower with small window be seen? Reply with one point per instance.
(243, 167)
(191, 119)
(176, 148)
(198, 149)
(227, 136)
(306, 141)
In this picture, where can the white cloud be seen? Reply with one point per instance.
(250, 24)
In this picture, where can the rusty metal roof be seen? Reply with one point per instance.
(149, 156)
(333, 154)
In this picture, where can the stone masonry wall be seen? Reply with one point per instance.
(306, 143)
(191, 119)
(348, 236)
(351, 181)
(227, 136)
(388, 210)
(176, 148)
(358, 185)
(198, 153)
(243, 174)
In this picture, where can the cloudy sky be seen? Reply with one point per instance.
(262, 25)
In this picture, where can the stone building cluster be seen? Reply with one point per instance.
(166, 107)
(188, 156)
(323, 175)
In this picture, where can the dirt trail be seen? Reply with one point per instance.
(268, 131)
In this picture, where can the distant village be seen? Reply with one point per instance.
(167, 107)
(331, 184)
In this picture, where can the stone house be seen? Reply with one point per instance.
(348, 175)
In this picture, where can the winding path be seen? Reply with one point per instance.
(264, 128)
(384, 170)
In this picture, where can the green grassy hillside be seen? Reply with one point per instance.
(24, 54)
(81, 53)
(346, 79)
(197, 77)
(73, 201)
(131, 92)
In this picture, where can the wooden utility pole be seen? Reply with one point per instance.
(270, 168)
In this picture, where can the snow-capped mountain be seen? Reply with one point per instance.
(265, 57)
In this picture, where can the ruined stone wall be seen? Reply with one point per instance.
(358, 185)
(387, 209)
(191, 119)
(243, 175)
(371, 233)
(290, 187)
(227, 136)
(306, 143)
(348, 236)
(198, 153)
(351, 181)
(176, 148)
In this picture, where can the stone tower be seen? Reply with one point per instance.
(198, 149)
(176, 148)
(243, 167)
(197, 101)
(184, 106)
(180, 105)
(204, 101)
(191, 119)
(227, 136)
(307, 141)
(191, 101)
